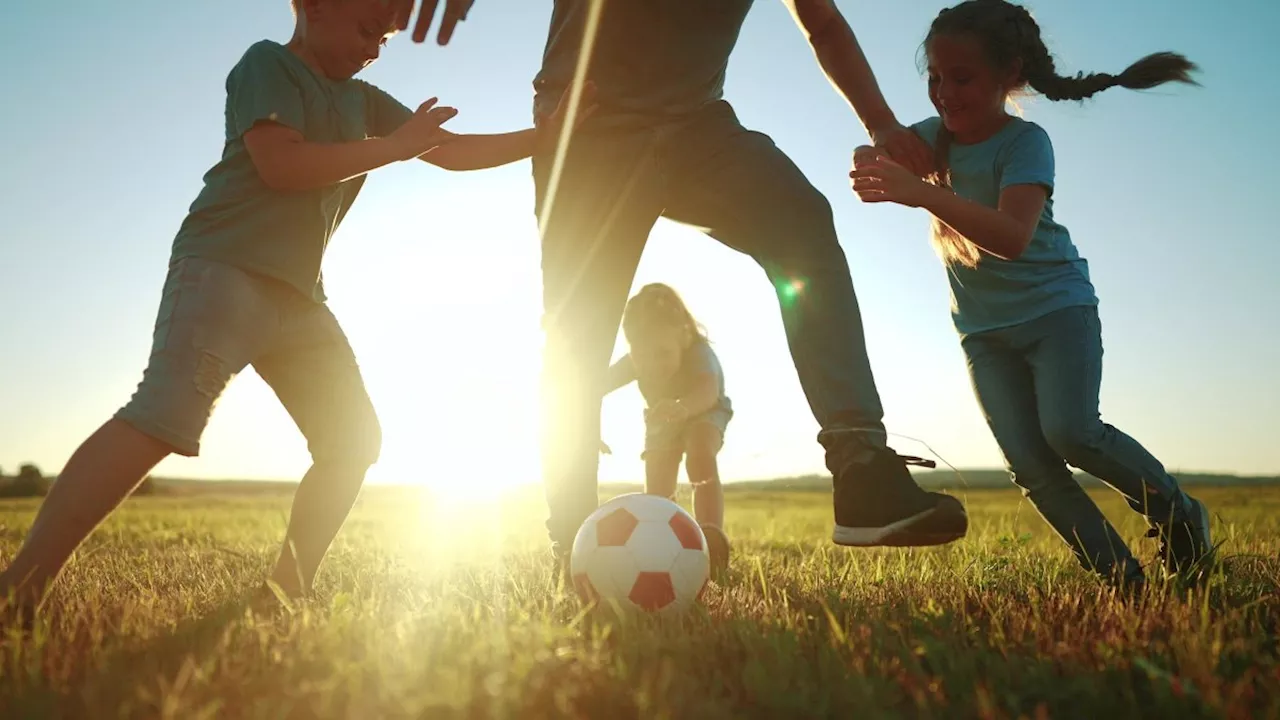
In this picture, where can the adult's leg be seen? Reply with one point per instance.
(594, 228)
(754, 199)
(314, 372)
(209, 323)
(1006, 391)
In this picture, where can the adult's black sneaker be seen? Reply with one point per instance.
(878, 503)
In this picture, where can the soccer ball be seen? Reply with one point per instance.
(643, 552)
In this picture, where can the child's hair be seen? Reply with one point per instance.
(657, 305)
(1010, 37)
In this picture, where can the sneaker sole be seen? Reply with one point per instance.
(941, 526)
(1202, 525)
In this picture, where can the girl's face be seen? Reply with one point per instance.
(968, 93)
(659, 353)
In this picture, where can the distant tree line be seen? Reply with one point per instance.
(30, 482)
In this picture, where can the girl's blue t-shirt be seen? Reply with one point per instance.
(1050, 275)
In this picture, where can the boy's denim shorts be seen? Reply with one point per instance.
(216, 319)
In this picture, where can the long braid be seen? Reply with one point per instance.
(1011, 37)
(1009, 34)
(1039, 71)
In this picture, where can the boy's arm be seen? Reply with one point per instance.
(266, 112)
(457, 151)
(287, 162)
(845, 65)
(481, 152)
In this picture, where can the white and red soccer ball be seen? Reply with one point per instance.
(643, 552)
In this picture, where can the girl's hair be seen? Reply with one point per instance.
(657, 305)
(1011, 38)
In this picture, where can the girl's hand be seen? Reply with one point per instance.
(669, 411)
(880, 179)
(864, 155)
(906, 147)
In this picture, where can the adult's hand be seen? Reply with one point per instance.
(455, 11)
(905, 147)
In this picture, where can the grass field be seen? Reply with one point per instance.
(446, 610)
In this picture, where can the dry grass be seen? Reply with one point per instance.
(450, 611)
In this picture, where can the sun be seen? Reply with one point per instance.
(444, 315)
(448, 335)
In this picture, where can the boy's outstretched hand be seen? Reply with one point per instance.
(422, 132)
(455, 11)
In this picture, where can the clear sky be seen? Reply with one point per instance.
(113, 111)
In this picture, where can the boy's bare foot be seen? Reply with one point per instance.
(719, 549)
(270, 602)
(18, 611)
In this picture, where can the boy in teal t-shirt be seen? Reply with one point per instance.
(244, 287)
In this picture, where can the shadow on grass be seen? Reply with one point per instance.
(109, 686)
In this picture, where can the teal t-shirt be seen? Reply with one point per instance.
(1050, 274)
(236, 219)
(651, 58)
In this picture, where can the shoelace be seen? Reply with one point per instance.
(908, 459)
(1166, 537)
(917, 461)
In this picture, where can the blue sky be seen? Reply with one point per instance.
(114, 111)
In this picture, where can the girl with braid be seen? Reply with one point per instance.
(1022, 301)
